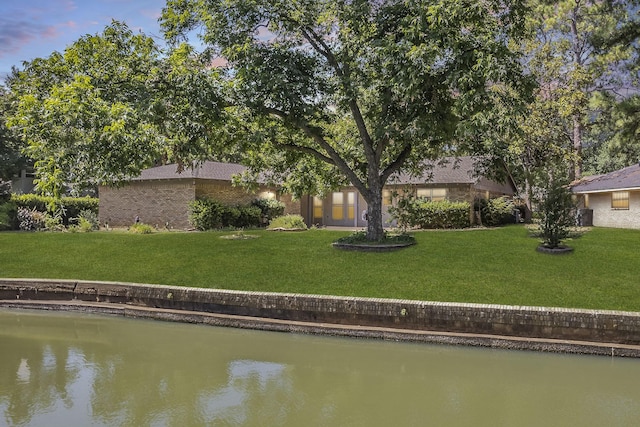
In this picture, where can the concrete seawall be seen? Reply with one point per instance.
(537, 328)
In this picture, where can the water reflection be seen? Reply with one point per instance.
(66, 369)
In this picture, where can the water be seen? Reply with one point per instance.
(67, 369)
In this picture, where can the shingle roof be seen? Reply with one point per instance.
(454, 170)
(623, 179)
(207, 170)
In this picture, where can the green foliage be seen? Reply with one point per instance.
(420, 213)
(209, 214)
(497, 211)
(206, 214)
(31, 219)
(67, 208)
(88, 221)
(288, 222)
(141, 228)
(556, 211)
(8, 216)
(360, 238)
(269, 208)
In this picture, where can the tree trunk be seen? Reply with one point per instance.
(576, 173)
(375, 229)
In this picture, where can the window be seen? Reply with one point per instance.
(620, 200)
(317, 208)
(351, 205)
(386, 197)
(337, 206)
(586, 201)
(432, 194)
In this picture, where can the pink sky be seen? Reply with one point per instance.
(35, 28)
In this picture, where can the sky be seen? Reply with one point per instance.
(32, 29)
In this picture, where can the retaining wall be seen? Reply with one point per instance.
(494, 320)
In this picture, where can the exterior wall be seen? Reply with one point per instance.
(224, 192)
(494, 322)
(604, 216)
(291, 206)
(155, 202)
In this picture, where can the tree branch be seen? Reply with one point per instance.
(396, 164)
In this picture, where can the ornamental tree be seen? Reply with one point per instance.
(324, 92)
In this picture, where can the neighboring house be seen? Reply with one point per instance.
(23, 183)
(161, 196)
(453, 180)
(614, 198)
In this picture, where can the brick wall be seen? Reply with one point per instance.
(155, 202)
(224, 192)
(522, 322)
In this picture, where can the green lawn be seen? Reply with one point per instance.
(498, 266)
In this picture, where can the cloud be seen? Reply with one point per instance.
(14, 34)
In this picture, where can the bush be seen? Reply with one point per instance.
(87, 221)
(269, 209)
(288, 222)
(67, 207)
(31, 219)
(496, 211)
(421, 213)
(141, 228)
(5, 191)
(250, 217)
(8, 216)
(208, 214)
(205, 214)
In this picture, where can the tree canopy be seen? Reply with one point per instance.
(353, 91)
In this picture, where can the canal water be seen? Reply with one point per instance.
(69, 369)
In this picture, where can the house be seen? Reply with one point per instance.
(161, 195)
(613, 198)
(455, 179)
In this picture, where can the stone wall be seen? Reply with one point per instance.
(154, 202)
(491, 320)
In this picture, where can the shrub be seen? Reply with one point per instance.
(88, 221)
(5, 191)
(205, 214)
(556, 210)
(31, 219)
(8, 216)
(250, 216)
(269, 208)
(288, 222)
(141, 228)
(496, 211)
(67, 207)
(421, 213)
(208, 214)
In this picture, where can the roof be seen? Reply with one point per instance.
(623, 179)
(206, 170)
(453, 170)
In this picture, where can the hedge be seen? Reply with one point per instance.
(421, 213)
(69, 207)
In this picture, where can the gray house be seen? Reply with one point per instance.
(614, 198)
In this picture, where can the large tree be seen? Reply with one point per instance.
(324, 91)
(579, 65)
(108, 106)
(11, 159)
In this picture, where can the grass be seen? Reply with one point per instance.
(497, 266)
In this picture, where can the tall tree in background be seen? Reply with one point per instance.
(575, 69)
(356, 90)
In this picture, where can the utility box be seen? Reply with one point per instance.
(585, 217)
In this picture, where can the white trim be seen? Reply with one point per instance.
(610, 190)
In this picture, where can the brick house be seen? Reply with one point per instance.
(161, 196)
(455, 180)
(612, 199)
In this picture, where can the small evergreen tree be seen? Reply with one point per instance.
(556, 210)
